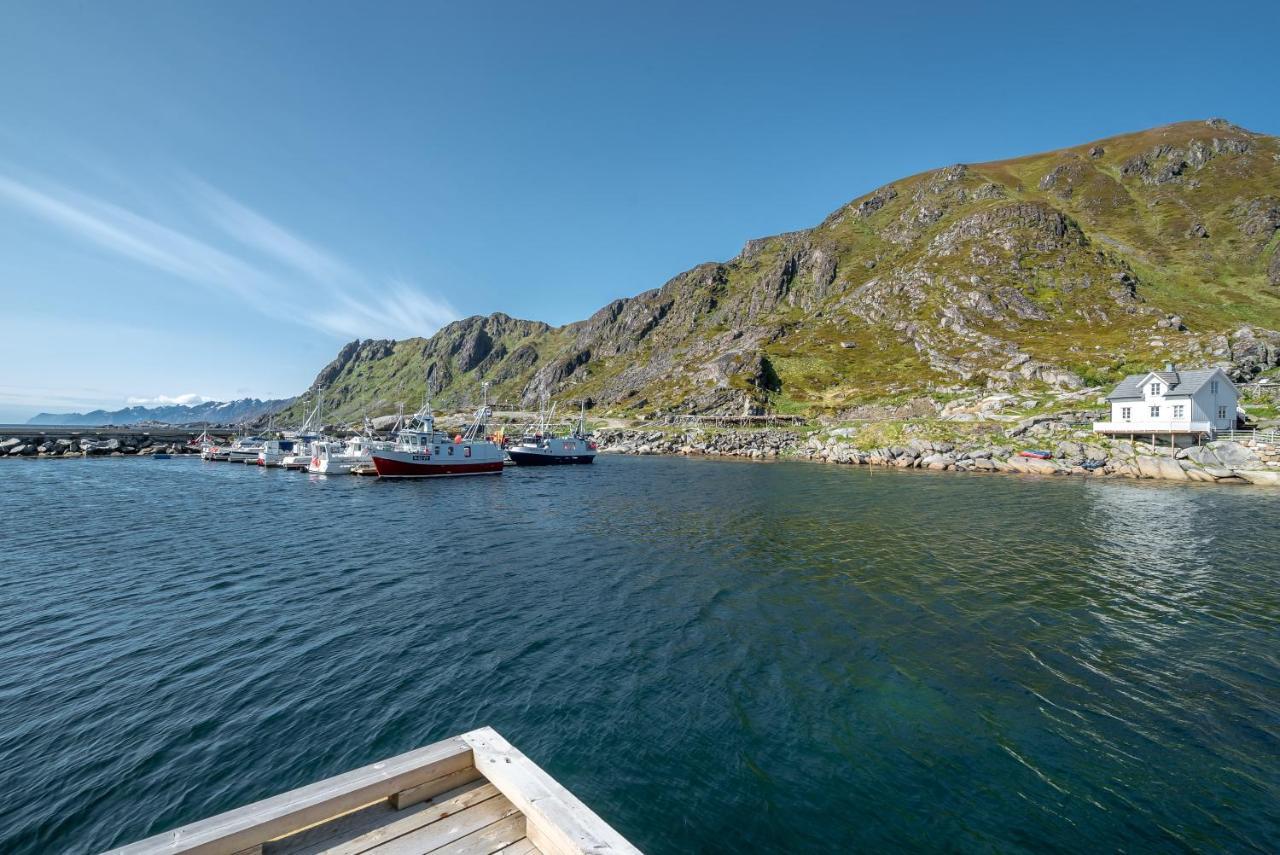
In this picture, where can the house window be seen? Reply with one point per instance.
(1155, 412)
(1222, 413)
(1177, 411)
(1155, 389)
(1125, 412)
(1213, 387)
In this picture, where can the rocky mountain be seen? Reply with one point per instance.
(1062, 269)
(214, 412)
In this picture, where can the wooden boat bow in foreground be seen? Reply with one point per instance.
(474, 793)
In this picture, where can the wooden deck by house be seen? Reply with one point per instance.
(473, 794)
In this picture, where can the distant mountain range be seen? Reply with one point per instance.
(1058, 270)
(215, 412)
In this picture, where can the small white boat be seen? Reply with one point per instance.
(274, 451)
(245, 449)
(330, 458)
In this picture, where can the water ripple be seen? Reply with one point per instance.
(715, 655)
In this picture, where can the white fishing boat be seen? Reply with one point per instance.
(540, 446)
(421, 451)
(245, 449)
(274, 451)
(304, 439)
(332, 458)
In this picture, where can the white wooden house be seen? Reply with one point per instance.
(1183, 407)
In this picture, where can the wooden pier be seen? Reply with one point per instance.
(473, 794)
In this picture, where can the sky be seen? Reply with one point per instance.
(206, 200)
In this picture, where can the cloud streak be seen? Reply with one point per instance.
(277, 273)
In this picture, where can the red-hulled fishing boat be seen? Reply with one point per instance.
(421, 451)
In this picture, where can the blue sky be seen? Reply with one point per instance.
(208, 199)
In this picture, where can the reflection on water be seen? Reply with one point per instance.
(715, 655)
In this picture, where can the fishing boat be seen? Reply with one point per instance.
(205, 443)
(541, 447)
(245, 449)
(421, 451)
(304, 438)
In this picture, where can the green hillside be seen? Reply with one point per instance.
(1054, 270)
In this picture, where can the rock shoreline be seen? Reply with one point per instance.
(1223, 462)
(114, 446)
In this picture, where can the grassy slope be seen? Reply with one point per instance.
(826, 350)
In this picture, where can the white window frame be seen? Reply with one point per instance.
(1155, 411)
(1126, 413)
(1222, 413)
(1213, 387)
(1178, 410)
(1155, 389)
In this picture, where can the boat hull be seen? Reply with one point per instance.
(535, 458)
(394, 464)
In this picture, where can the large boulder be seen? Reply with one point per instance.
(937, 461)
(1163, 468)
(10, 444)
(1232, 455)
(1033, 466)
(1267, 477)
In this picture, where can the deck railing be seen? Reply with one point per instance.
(1255, 435)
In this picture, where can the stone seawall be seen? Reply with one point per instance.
(1246, 462)
(91, 445)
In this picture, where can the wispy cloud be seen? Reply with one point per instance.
(257, 232)
(276, 272)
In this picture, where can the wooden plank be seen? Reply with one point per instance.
(297, 809)
(492, 838)
(381, 823)
(431, 789)
(558, 823)
(448, 829)
(520, 847)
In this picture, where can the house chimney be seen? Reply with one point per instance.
(1169, 366)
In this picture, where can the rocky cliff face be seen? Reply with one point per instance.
(1060, 269)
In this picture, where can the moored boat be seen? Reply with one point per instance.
(274, 451)
(541, 447)
(245, 449)
(421, 451)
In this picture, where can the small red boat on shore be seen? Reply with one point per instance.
(1037, 455)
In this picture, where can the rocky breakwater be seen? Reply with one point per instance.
(755, 444)
(115, 446)
(1246, 462)
(1220, 462)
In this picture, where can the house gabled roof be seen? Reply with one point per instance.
(1177, 383)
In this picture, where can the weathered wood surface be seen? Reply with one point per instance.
(372, 826)
(472, 794)
(289, 812)
(558, 823)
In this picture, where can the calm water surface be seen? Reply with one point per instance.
(714, 655)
